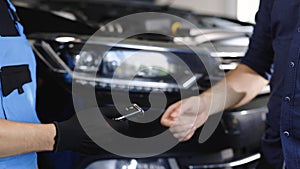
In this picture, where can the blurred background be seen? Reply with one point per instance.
(243, 10)
(58, 30)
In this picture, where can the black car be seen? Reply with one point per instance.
(59, 33)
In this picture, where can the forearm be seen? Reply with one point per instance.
(237, 88)
(19, 138)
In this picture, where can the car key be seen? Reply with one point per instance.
(132, 110)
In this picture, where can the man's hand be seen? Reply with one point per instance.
(237, 88)
(185, 116)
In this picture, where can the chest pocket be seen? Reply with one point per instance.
(13, 78)
(18, 94)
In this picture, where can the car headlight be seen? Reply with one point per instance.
(87, 61)
(123, 66)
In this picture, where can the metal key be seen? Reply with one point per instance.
(133, 110)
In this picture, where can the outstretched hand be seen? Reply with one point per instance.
(184, 117)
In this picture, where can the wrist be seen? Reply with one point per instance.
(69, 134)
(51, 134)
(205, 99)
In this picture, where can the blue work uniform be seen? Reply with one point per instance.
(274, 52)
(18, 88)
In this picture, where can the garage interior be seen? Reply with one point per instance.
(72, 67)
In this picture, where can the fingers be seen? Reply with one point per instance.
(184, 117)
(190, 135)
(173, 112)
(181, 128)
(186, 124)
(173, 109)
(183, 132)
(169, 117)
